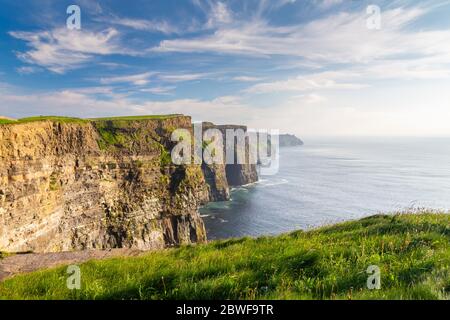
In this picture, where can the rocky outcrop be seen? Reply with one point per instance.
(289, 140)
(239, 174)
(220, 177)
(216, 178)
(69, 185)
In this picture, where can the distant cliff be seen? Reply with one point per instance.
(107, 183)
(289, 140)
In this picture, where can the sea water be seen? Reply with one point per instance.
(330, 180)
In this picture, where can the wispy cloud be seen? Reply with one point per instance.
(28, 70)
(307, 99)
(247, 79)
(219, 15)
(307, 66)
(341, 37)
(61, 49)
(139, 79)
(327, 3)
(182, 77)
(329, 40)
(159, 90)
(142, 24)
(85, 103)
(112, 65)
(318, 81)
(337, 39)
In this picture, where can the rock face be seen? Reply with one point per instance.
(100, 184)
(222, 177)
(289, 140)
(239, 174)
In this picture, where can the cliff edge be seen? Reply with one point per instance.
(71, 184)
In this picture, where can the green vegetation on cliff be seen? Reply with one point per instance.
(138, 118)
(7, 121)
(111, 134)
(44, 118)
(120, 133)
(411, 250)
(80, 120)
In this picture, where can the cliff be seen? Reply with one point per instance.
(70, 184)
(289, 140)
(221, 177)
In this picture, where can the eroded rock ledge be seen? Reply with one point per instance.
(71, 185)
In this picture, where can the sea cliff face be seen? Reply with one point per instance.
(220, 177)
(100, 184)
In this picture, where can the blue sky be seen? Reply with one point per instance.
(310, 67)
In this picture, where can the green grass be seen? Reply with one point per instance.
(51, 118)
(136, 118)
(412, 251)
(80, 120)
(44, 118)
(166, 157)
(119, 133)
(111, 135)
(7, 121)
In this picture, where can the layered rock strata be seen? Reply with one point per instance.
(70, 185)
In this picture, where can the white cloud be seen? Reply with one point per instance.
(433, 67)
(92, 6)
(341, 38)
(139, 79)
(182, 77)
(337, 42)
(85, 103)
(317, 103)
(423, 113)
(219, 15)
(318, 81)
(247, 79)
(338, 38)
(159, 90)
(112, 65)
(144, 78)
(62, 49)
(28, 70)
(307, 99)
(325, 4)
(93, 90)
(143, 24)
(305, 114)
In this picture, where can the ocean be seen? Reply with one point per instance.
(333, 180)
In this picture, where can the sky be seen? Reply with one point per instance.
(309, 67)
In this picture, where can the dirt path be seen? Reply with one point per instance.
(23, 263)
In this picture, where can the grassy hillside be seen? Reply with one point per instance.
(412, 251)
